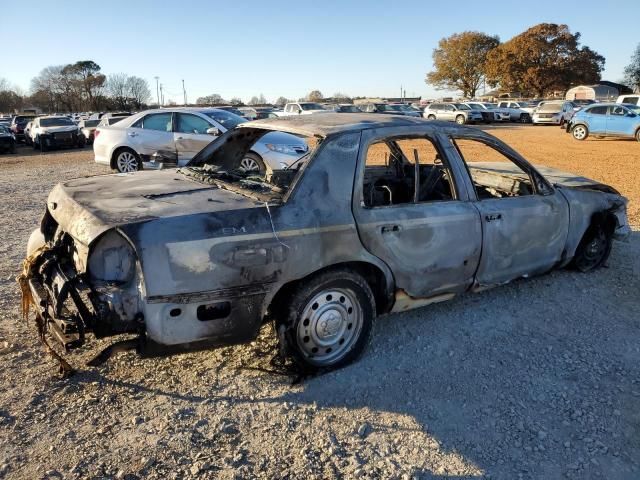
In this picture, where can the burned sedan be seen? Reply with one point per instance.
(384, 214)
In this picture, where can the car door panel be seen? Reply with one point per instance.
(597, 123)
(524, 220)
(431, 247)
(618, 123)
(190, 135)
(521, 236)
(148, 138)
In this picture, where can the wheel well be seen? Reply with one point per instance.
(605, 219)
(374, 277)
(117, 151)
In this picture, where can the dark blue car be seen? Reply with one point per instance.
(607, 119)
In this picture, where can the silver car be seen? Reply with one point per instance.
(169, 137)
(452, 112)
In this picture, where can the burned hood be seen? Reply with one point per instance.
(87, 207)
(554, 176)
(564, 179)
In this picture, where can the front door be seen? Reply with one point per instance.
(524, 220)
(618, 121)
(428, 237)
(191, 135)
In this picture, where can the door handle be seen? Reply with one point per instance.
(179, 138)
(132, 134)
(390, 228)
(493, 216)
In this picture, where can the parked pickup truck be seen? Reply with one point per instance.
(385, 213)
(519, 111)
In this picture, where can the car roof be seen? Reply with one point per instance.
(324, 124)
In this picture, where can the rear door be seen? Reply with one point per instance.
(151, 134)
(424, 230)
(596, 118)
(191, 135)
(524, 220)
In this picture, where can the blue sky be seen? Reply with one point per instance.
(245, 48)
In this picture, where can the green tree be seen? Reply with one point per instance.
(459, 62)
(85, 76)
(544, 58)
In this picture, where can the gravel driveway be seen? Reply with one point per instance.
(539, 379)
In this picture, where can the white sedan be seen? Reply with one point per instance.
(172, 137)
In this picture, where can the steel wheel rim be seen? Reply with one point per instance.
(249, 165)
(594, 251)
(330, 325)
(127, 162)
(579, 132)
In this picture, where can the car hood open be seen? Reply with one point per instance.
(87, 207)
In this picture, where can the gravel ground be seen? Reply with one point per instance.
(539, 379)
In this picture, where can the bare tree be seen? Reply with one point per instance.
(117, 89)
(282, 101)
(45, 88)
(315, 96)
(138, 91)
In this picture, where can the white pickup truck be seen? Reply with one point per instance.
(519, 111)
(301, 108)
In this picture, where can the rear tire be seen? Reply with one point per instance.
(594, 249)
(638, 135)
(431, 117)
(524, 118)
(126, 161)
(327, 321)
(580, 132)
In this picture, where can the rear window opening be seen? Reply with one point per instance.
(235, 165)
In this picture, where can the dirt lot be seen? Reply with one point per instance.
(539, 379)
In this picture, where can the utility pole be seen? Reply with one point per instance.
(184, 92)
(161, 96)
(157, 90)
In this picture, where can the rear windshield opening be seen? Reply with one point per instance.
(235, 164)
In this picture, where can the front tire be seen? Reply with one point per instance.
(328, 320)
(524, 118)
(580, 132)
(460, 120)
(431, 117)
(127, 161)
(638, 135)
(252, 163)
(594, 249)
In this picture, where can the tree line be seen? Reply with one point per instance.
(77, 87)
(543, 59)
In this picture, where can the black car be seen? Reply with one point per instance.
(18, 123)
(7, 140)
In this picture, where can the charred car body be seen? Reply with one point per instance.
(386, 213)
